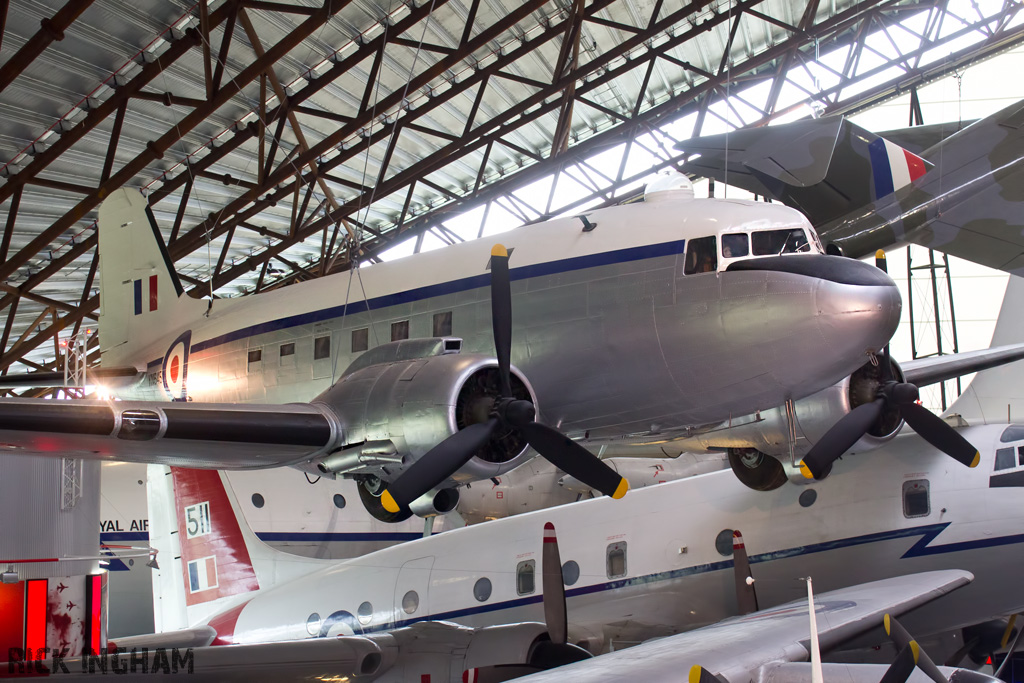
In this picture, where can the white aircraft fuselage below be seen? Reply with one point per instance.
(901, 509)
(610, 332)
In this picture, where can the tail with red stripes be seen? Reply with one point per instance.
(209, 557)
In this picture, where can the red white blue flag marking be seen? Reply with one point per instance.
(151, 294)
(893, 167)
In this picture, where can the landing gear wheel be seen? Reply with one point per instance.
(369, 492)
(755, 470)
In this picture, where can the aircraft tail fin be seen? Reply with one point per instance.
(221, 559)
(994, 396)
(823, 167)
(141, 299)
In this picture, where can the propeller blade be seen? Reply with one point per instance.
(698, 674)
(901, 668)
(553, 588)
(437, 464)
(574, 459)
(935, 431)
(880, 261)
(899, 635)
(840, 438)
(501, 315)
(746, 596)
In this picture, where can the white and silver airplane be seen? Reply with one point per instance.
(631, 321)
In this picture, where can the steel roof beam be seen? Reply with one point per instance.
(51, 29)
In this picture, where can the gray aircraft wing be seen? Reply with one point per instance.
(743, 648)
(195, 435)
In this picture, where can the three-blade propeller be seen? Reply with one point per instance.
(892, 394)
(507, 413)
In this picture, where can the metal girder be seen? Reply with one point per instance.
(310, 174)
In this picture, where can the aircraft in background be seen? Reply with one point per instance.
(628, 324)
(961, 193)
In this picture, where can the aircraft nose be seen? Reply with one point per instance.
(857, 306)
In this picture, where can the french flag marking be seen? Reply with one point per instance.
(893, 167)
(152, 288)
(202, 574)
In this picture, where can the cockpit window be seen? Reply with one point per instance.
(772, 242)
(735, 244)
(1012, 433)
(1005, 459)
(701, 256)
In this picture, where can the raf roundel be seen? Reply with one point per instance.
(175, 368)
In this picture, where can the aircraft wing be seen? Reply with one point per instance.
(925, 371)
(736, 649)
(195, 435)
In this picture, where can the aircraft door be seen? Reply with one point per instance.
(412, 590)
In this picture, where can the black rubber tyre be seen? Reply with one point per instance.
(755, 470)
(376, 508)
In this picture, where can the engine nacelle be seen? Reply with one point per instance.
(814, 415)
(395, 410)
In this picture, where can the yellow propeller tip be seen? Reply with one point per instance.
(805, 470)
(695, 673)
(888, 626)
(621, 489)
(499, 250)
(880, 254)
(916, 649)
(977, 459)
(388, 501)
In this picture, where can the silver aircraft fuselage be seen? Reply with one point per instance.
(612, 333)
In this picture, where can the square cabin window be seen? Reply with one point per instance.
(525, 573)
(287, 349)
(400, 330)
(616, 560)
(360, 339)
(322, 348)
(443, 324)
(1005, 459)
(915, 498)
(255, 356)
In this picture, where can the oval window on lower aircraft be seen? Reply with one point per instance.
(807, 498)
(257, 500)
(339, 501)
(365, 613)
(313, 624)
(723, 542)
(482, 589)
(570, 573)
(410, 602)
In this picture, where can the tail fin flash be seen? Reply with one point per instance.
(221, 559)
(141, 298)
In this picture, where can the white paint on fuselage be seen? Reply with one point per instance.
(856, 531)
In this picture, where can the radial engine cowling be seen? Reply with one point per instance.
(814, 415)
(415, 404)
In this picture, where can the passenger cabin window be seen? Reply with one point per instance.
(915, 498)
(360, 339)
(616, 560)
(701, 256)
(400, 330)
(1020, 454)
(525, 572)
(1005, 459)
(443, 324)
(772, 242)
(321, 348)
(255, 356)
(287, 349)
(735, 244)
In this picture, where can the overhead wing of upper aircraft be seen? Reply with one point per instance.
(773, 641)
(862, 191)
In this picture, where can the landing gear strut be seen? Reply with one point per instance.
(370, 489)
(756, 470)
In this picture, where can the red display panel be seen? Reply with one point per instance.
(35, 614)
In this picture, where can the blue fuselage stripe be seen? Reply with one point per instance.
(137, 286)
(441, 289)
